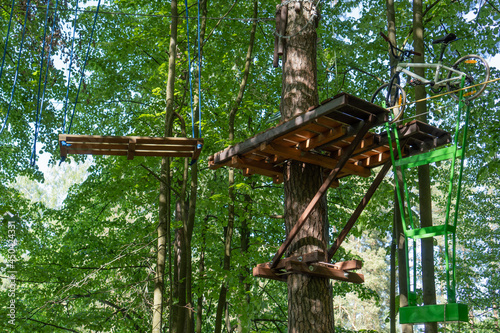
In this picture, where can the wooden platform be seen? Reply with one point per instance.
(320, 136)
(129, 146)
(311, 264)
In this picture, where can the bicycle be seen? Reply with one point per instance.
(473, 67)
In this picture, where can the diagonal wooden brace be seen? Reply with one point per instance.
(354, 217)
(364, 202)
(366, 125)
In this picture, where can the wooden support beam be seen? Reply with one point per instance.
(261, 168)
(307, 157)
(131, 148)
(324, 271)
(197, 150)
(308, 258)
(364, 202)
(321, 192)
(323, 138)
(264, 271)
(311, 264)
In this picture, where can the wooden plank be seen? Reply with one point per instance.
(125, 139)
(265, 272)
(349, 265)
(323, 138)
(308, 258)
(310, 158)
(261, 168)
(131, 148)
(324, 271)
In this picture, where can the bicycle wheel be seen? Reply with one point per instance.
(477, 71)
(395, 103)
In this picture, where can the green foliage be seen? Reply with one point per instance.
(86, 234)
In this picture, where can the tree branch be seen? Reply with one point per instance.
(52, 325)
(159, 178)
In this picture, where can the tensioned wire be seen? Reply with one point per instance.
(17, 68)
(189, 68)
(83, 67)
(7, 38)
(199, 73)
(243, 19)
(70, 67)
(39, 104)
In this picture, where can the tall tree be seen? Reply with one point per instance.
(229, 230)
(424, 178)
(310, 304)
(164, 238)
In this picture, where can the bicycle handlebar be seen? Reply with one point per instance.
(400, 50)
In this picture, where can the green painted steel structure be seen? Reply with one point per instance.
(451, 311)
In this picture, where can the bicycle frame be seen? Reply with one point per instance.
(438, 67)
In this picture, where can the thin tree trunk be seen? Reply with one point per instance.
(402, 253)
(164, 237)
(244, 318)
(232, 195)
(391, 33)
(310, 301)
(424, 186)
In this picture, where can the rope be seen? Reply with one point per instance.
(443, 94)
(39, 104)
(7, 38)
(311, 19)
(84, 64)
(17, 68)
(199, 72)
(189, 69)
(70, 67)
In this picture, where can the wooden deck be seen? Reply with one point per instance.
(129, 146)
(320, 136)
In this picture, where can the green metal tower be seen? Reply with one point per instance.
(450, 311)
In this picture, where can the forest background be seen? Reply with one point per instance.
(85, 245)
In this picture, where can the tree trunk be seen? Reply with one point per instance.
(402, 252)
(310, 301)
(424, 187)
(232, 195)
(164, 238)
(244, 318)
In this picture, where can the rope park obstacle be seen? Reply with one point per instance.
(129, 146)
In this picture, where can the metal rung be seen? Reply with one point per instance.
(429, 157)
(433, 313)
(437, 230)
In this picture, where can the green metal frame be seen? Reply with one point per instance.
(451, 311)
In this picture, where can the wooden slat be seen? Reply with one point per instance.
(129, 146)
(264, 271)
(310, 158)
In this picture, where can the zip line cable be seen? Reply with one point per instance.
(199, 73)
(242, 19)
(84, 64)
(7, 38)
(70, 67)
(39, 104)
(17, 68)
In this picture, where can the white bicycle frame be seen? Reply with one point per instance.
(400, 68)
